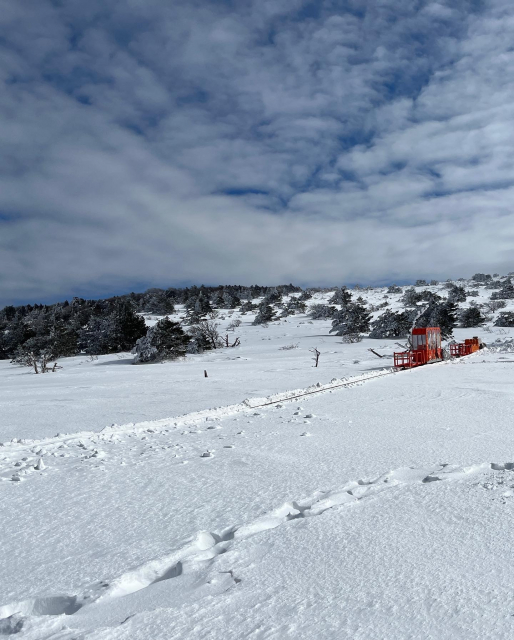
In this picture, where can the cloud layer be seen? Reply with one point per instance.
(218, 142)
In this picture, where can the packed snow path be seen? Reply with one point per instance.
(372, 511)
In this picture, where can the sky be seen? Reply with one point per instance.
(153, 143)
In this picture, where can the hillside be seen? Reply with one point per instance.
(152, 502)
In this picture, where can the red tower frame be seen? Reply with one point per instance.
(426, 347)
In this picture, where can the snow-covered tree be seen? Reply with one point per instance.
(321, 311)
(272, 297)
(394, 289)
(471, 317)
(166, 340)
(230, 300)
(265, 315)
(202, 305)
(204, 336)
(457, 294)
(115, 332)
(443, 315)
(351, 319)
(218, 300)
(411, 297)
(392, 324)
(341, 296)
(505, 319)
(505, 293)
(482, 277)
(247, 306)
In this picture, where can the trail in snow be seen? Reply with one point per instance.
(20, 458)
(205, 546)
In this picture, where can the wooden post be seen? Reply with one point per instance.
(205, 373)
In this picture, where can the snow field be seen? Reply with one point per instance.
(380, 509)
(276, 534)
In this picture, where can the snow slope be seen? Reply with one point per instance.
(372, 511)
(230, 507)
(90, 394)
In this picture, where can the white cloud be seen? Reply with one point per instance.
(151, 143)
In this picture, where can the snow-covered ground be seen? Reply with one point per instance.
(381, 509)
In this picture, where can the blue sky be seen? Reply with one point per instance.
(239, 142)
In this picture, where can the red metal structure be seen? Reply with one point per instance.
(426, 347)
(464, 348)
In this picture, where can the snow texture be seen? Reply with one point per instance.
(274, 501)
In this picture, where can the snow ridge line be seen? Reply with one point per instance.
(198, 554)
(205, 414)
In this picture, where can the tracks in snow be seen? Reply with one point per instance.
(22, 458)
(200, 552)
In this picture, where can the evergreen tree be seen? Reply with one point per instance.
(392, 324)
(442, 315)
(471, 317)
(164, 341)
(247, 306)
(351, 319)
(115, 332)
(430, 297)
(265, 315)
(272, 297)
(202, 305)
(394, 289)
(230, 300)
(482, 277)
(411, 297)
(505, 319)
(157, 301)
(125, 327)
(218, 301)
(321, 311)
(64, 340)
(457, 294)
(341, 296)
(505, 293)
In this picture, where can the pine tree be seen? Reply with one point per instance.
(471, 317)
(218, 301)
(230, 300)
(341, 296)
(247, 306)
(505, 319)
(457, 294)
(202, 305)
(265, 315)
(350, 320)
(321, 311)
(442, 315)
(164, 341)
(115, 332)
(272, 297)
(505, 293)
(411, 297)
(392, 325)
